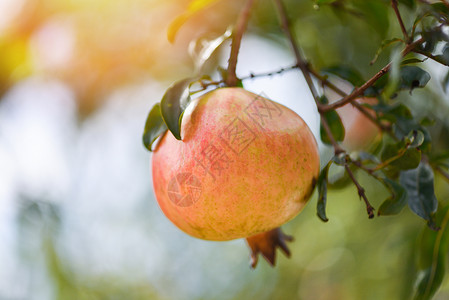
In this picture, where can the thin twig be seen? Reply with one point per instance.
(361, 192)
(394, 4)
(326, 82)
(270, 73)
(360, 90)
(357, 105)
(295, 47)
(431, 56)
(237, 34)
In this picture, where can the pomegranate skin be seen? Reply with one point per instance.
(245, 165)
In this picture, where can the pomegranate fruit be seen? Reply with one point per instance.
(245, 165)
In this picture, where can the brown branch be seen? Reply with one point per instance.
(360, 90)
(361, 192)
(326, 82)
(295, 47)
(270, 73)
(237, 34)
(357, 105)
(394, 4)
(431, 56)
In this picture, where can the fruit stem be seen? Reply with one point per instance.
(237, 35)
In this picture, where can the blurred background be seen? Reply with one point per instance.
(78, 218)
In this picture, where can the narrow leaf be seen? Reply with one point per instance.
(336, 126)
(174, 103)
(400, 157)
(432, 253)
(411, 61)
(194, 7)
(419, 184)
(396, 202)
(154, 126)
(412, 77)
(384, 45)
(322, 194)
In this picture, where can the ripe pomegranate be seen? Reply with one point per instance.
(245, 165)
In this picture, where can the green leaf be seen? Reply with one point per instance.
(154, 126)
(347, 73)
(412, 77)
(202, 49)
(433, 37)
(432, 253)
(427, 121)
(400, 156)
(415, 138)
(375, 14)
(322, 193)
(336, 126)
(173, 104)
(440, 9)
(194, 7)
(396, 202)
(419, 184)
(383, 45)
(411, 61)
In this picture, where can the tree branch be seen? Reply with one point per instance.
(355, 104)
(237, 34)
(394, 4)
(302, 65)
(431, 56)
(361, 192)
(360, 90)
(270, 73)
